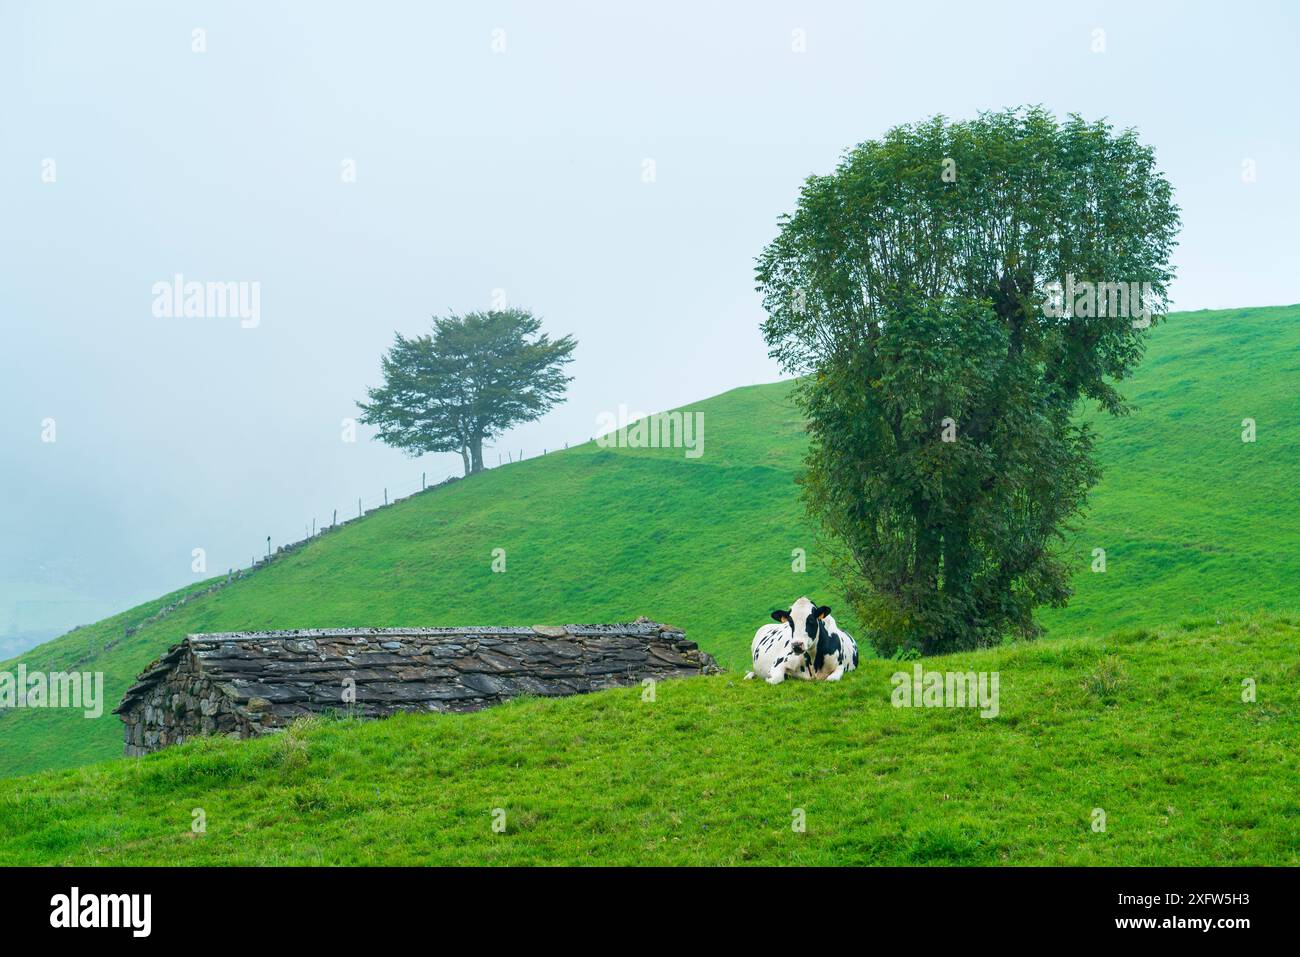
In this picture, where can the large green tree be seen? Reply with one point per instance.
(950, 294)
(472, 378)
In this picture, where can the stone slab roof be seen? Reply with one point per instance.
(274, 676)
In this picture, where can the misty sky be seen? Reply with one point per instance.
(481, 169)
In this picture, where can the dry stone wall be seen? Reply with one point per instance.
(183, 704)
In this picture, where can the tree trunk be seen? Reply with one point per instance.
(476, 454)
(956, 560)
(958, 584)
(464, 456)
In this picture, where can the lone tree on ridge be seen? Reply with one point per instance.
(470, 380)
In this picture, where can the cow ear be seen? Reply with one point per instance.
(779, 615)
(823, 611)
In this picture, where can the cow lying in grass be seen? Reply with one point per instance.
(804, 643)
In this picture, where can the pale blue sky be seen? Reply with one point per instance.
(477, 171)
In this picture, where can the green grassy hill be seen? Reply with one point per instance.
(1148, 726)
(1194, 522)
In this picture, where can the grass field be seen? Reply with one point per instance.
(1195, 524)
(1148, 726)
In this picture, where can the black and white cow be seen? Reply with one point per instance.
(804, 643)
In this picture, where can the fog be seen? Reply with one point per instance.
(614, 169)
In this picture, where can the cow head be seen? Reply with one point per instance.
(806, 621)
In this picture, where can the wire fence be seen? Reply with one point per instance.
(391, 495)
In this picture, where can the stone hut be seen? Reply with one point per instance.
(244, 684)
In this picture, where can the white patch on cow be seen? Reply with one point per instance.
(773, 653)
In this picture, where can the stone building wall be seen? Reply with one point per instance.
(182, 705)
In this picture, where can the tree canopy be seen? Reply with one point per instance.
(951, 292)
(470, 380)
